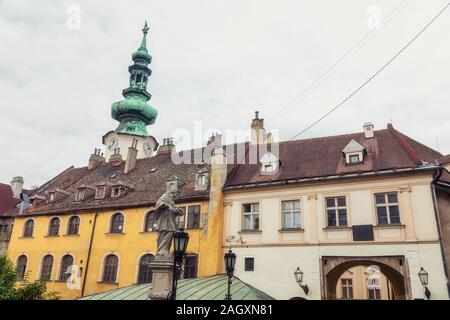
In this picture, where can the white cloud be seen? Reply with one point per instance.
(214, 61)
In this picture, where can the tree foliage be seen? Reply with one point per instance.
(13, 289)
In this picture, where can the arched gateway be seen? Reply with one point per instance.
(393, 267)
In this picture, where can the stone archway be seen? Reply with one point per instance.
(393, 267)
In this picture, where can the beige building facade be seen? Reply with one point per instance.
(277, 252)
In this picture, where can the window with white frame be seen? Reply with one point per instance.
(201, 180)
(387, 208)
(347, 288)
(290, 214)
(354, 158)
(336, 211)
(79, 195)
(100, 192)
(115, 191)
(251, 216)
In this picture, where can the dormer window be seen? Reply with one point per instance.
(269, 164)
(52, 197)
(353, 153)
(201, 179)
(100, 192)
(116, 191)
(79, 195)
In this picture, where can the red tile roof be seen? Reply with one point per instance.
(7, 202)
(148, 185)
(322, 157)
(299, 159)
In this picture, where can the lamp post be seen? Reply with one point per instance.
(298, 274)
(423, 276)
(180, 242)
(230, 260)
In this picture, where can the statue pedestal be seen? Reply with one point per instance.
(162, 269)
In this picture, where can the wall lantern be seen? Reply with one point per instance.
(298, 274)
(423, 276)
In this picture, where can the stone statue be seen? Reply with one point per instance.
(165, 213)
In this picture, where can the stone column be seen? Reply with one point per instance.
(162, 279)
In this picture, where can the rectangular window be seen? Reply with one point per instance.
(5, 232)
(387, 208)
(100, 193)
(179, 220)
(336, 211)
(249, 264)
(251, 216)
(374, 294)
(347, 288)
(290, 213)
(190, 267)
(79, 196)
(354, 158)
(193, 218)
(115, 192)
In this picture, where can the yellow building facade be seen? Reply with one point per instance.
(95, 241)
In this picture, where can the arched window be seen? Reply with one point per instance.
(117, 223)
(53, 229)
(73, 225)
(66, 267)
(46, 267)
(150, 222)
(21, 266)
(145, 273)
(110, 266)
(28, 228)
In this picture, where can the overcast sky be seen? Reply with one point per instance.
(215, 62)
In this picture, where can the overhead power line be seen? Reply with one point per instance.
(348, 54)
(375, 74)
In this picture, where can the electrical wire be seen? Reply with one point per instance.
(375, 74)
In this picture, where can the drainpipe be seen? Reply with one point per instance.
(436, 177)
(89, 254)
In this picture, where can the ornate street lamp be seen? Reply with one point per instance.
(230, 260)
(180, 242)
(298, 274)
(423, 276)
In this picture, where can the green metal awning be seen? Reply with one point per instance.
(205, 288)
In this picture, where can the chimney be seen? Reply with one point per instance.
(167, 146)
(16, 187)
(368, 130)
(215, 213)
(258, 133)
(131, 156)
(116, 156)
(96, 159)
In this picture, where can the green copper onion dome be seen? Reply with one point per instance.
(134, 113)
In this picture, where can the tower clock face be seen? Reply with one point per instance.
(114, 143)
(147, 149)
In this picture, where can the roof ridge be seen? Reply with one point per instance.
(403, 143)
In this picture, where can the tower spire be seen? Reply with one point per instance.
(134, 113)
(143, 46)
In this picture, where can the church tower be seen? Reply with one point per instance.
(134, 113)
